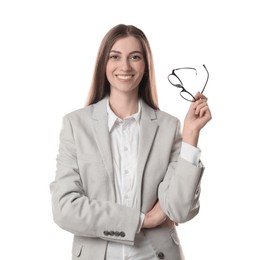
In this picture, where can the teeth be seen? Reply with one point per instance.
(124, 77)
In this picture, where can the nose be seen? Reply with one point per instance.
(125, 65)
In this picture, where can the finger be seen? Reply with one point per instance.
(200, 96)
(200, 104)
(203, 111)
(171, 223)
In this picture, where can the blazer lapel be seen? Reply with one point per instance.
(148, 129)
(101, 135)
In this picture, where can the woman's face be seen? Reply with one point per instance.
(126, 66)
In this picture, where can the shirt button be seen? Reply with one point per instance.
(126, 171)
(125, 148)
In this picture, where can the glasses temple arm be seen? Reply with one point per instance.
(206, 79)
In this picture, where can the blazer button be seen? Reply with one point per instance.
(122, 234)
(112, 233)
(106, 233)
(160, 255)
(117, 233)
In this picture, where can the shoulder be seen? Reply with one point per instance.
(83, 112)
(95, 111)
(162, 115)
(167, 121)
(88, 115)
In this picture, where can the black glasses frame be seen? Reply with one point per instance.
(192, 99)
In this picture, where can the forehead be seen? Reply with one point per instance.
(127, 44)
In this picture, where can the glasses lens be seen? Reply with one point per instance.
(187, 96)
(174, 80)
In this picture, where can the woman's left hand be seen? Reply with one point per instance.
(196, 118)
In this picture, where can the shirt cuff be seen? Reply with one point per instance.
(190, 153)
(141, 220)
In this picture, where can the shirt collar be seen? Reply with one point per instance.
(112, 118)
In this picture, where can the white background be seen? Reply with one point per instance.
(47, 54)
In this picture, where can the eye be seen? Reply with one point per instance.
(136, 57)
(114, 57)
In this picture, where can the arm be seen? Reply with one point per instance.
(72, 208)
(180, 190)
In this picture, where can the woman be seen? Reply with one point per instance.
(125, 172)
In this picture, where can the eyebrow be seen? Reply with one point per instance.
(129, 53)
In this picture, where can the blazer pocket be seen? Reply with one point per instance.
(174, 236)
(77, 249)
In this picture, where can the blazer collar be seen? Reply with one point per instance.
(100, 110)
(148, 113)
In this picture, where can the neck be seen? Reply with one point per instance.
(123, 105)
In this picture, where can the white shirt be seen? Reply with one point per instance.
(124, 137)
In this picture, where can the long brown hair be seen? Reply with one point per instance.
(100, 86)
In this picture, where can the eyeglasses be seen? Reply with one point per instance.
(184, 93)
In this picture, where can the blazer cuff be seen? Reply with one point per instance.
(141, 220)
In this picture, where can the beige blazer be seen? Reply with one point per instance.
(83, 193)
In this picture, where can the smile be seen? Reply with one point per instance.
(124, 77)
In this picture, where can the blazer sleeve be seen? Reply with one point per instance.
(75, 212)
(179, 192)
